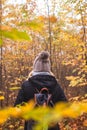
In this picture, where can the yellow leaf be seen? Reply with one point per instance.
(2, 98)
(4, 116)
(15, 112)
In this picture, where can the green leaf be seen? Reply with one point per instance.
(16, 35)
(1, 42)
(14, 88)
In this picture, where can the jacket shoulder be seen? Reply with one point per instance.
(25, 83)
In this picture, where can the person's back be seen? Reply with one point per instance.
(40, 77)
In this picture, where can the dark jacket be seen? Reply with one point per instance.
(28, 90)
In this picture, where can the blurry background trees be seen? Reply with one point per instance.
(30, 27)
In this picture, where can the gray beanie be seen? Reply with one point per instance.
(42, 62)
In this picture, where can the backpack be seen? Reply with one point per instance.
(43, 98)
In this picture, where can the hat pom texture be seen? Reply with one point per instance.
(44, 55)
(42, 62)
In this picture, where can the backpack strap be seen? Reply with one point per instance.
(43, 90)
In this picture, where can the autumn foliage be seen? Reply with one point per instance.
(25, 30)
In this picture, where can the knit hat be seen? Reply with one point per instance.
(42, 62)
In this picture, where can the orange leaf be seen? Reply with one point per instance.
(85, 123)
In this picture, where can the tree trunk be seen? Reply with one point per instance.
(0, 52)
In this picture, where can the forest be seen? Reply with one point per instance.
(28, 27)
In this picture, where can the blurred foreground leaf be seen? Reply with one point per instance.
(16, 35)
(44, 115)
